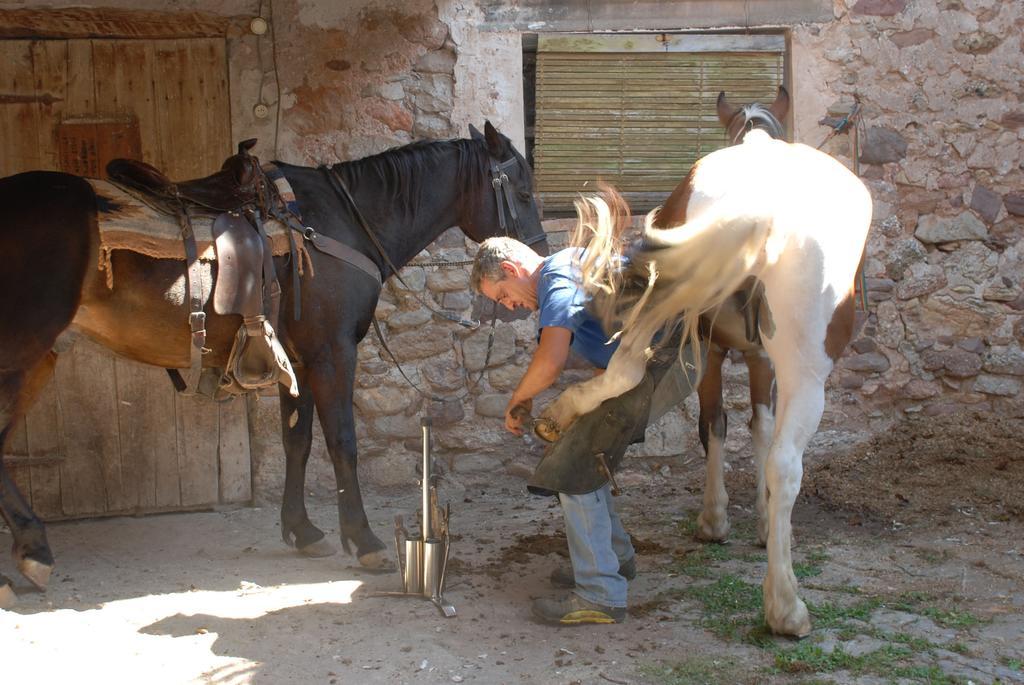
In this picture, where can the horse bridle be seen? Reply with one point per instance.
(503, 196)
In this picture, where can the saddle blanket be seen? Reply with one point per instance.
(127, 222)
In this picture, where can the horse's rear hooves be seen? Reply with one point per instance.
(317, 550)
(37, 573)
(7, 596)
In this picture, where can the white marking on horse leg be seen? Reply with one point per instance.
(37, 573)
(800, 409)
(762, 425)
(713, 522)
(7, 596)
(624, 372)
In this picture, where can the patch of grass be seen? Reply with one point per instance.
(753, 557)
(951, 618)
(811, 658)
(1014, 664)
(805, 570)
(831, 615)
(699, 562)
(694, 671)
(913, 602)
(731, 607)
(929, 675)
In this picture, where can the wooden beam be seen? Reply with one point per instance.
(107, 22)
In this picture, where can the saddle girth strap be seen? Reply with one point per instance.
(196, 315)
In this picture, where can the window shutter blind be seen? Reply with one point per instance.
(637, 112)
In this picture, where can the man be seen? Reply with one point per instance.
(602, 555)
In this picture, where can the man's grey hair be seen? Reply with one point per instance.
(492, 252)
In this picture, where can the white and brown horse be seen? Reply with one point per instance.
(784, 226)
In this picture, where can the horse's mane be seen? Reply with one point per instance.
(756, 115)
(400, 171)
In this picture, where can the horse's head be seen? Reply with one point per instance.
(738, 120)
(507, 206)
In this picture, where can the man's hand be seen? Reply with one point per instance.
(515, 413)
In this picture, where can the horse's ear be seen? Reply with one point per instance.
(725, 111)
(474, 133)
(780, 107)
(496, 144)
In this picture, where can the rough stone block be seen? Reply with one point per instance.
(933, 228)
(1014, 203)
(996, 385)
(882, 145)
(385, 400)
(491, 405)
(474, 347)
(976, 43)
(871, 362)
(986, 203)
(426, 341)
(879, 8)
(447, 280)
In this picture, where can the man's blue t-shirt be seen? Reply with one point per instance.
(561, 300)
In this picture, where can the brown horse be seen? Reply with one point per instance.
(50, 243)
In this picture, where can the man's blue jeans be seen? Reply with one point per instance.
(598, 544)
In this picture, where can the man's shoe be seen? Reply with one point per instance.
(563, 577)
(573, 610)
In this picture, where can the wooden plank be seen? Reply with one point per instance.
(106, 22)
(49, 67)
(235, 455)
(174, 107)
(89, 445)
(81, 89)
(198, 445)
(18, 109)
(210, 53)
(147, 435)
(44, 430)
(132, 91)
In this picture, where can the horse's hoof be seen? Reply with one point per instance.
(317, 550)
(547, 430)
(712, 532)
(375, 561)
(796, 623)
(7, 596)
(37, 573)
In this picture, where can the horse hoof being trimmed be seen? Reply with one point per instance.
(318, 550)
(37, 573)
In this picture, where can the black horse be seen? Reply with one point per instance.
(409, 195)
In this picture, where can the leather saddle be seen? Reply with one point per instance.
(238, 195)
(235, 186)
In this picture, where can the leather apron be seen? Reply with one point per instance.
(576, 463)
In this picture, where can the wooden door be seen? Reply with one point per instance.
(109, 436)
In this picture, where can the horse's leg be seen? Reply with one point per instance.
(801, 368)
(332, 380)
(31, 550)
(297, 436)
(625, 370)
(713, 521)
(762, 425)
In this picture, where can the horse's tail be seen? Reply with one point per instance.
(688, 270)
(603, 221)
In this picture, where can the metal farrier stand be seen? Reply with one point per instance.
(426, 556)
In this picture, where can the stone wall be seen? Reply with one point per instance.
(943, 111)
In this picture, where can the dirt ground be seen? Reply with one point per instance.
(909, 550)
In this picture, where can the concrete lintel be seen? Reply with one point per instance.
(648, 15)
